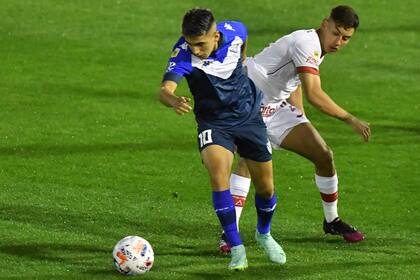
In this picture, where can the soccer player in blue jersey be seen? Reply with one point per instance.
(226, 106)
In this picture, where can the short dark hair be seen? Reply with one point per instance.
(345, 17)
(197, 22)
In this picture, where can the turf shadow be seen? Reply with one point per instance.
(90, 91)
(65, 221)
(86, 258)
(40, 150)
(405, 128)
(52, 251)
(344, 266)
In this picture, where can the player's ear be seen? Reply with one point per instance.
(217, 35)
(324, 23)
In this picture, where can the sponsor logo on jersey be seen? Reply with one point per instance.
(207, 62)
(316, 54)
(268, 111)
(312, 60)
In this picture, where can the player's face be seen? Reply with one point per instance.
(202, 46)
(334, 37)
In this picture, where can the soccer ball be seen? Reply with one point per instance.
(133, 255)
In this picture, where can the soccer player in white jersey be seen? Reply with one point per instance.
(282, 71)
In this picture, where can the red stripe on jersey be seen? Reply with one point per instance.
(306, 69)
(239, 201)
(329, 197)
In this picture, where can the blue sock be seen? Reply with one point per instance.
(265, 211)
(225, 211)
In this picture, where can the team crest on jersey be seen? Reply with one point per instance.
(175, 52)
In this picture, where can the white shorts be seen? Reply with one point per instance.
(280, 118)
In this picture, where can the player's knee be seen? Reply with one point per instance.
(264, 188)
(326, 157)
(219, 179)
(242, 169)
(266, 193)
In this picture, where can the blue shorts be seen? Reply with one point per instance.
(250, 139)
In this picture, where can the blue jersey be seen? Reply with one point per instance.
(223, 94)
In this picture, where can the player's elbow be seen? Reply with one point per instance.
(314, 97)
(313, 101)
(311, 97)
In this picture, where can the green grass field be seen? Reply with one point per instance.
(88, 155)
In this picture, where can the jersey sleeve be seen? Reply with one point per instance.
(179, 64)
(306, 57)
(233, 28)
(241, 29)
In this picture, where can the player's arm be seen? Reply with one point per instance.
(296, 99)
(168, 98)
(311, 84)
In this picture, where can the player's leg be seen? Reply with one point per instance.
(288, 128)
(240, 182)
(305, 140)
(218, 161)
(252, 145)
(265, 200)
(265, 204)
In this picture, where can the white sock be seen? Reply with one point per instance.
(239, 188)
(328, 187)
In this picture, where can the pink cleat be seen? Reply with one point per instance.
(338, 227)
(224, 246)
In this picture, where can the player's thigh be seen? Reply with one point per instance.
(241, 168)
(218, 161)
(262, 177)
(306, 141)
(252, 141)
(280, 118)
(216, 148)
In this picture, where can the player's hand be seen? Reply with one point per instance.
(360, 127)
(181, 105)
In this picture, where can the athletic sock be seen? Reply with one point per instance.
(265, 211)
(328, 187)
(239, 188)
(225, 211)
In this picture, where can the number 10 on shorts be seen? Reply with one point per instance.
(205, 137)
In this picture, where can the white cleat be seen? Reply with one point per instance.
(239, 261)
(273, 249)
